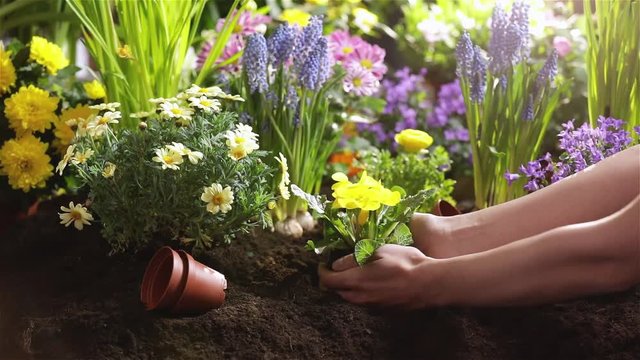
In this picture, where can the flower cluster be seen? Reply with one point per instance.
(363, 62)
(248, 23)
(582, 147)
(171, 156)
(30, 109)
(241, 142)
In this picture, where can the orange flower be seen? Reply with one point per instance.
(346, 157)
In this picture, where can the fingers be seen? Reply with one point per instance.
(344, 263)
(342, 280)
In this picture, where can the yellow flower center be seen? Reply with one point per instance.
(237, 29)
(366, 63)
(240, 140)
(168, 159)
(357, 82)
(217, 199)
(75, 215)
(176, 111)
(103, 120)
(347, 50)
(25, 165)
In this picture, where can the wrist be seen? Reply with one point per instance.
(434, 279)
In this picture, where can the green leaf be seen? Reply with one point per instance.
(364, 249)
(495, 152)
(310, 245)
(315, 202)
(401, 236)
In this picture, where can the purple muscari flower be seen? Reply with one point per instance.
(245, 118)
(296, 116)
(292, 98)
(499, 25)
(311, 33)
(281, 44)
(314, 71)
(254, 61)
(464, 56)
(527, 114)
(511, 177)
(520, 17)
(273, 98)
(479, 73)
(549, 70)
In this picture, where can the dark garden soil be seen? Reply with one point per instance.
(62, 297)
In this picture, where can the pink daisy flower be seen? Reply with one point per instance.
(248, 23)
(342, 45)
(360, 81)
(370, 57)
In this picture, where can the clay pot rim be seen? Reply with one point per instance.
(176, 277)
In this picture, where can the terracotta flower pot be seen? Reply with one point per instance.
(174, 281)
(444, 208)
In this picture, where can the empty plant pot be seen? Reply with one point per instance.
(174, 281)
(444, 208)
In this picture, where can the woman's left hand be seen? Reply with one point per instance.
(396, 276)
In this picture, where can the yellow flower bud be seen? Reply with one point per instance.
(413, 140)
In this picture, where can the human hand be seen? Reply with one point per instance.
(432, 235)
(396, 276)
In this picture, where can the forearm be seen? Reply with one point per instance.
(574, 260)
(587, 196)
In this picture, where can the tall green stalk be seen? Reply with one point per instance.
(156, 33)
(613, 60)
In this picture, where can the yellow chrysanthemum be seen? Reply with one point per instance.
(47, 54)
(25, 162)
(295, 17)
(94, 90)
(63, 131)
(7, 71)
(30, 109)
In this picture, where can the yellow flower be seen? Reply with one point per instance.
(295, 17)
(364, 19)
(30, 109)
(47, 54)
(108, 170)
(367, 194)
(63, 132)
(7, 71)
(76, 214)
(285, 180)
(124, 52)
(318, 2)
(95, 90)
(413, 140)
(81, 157)
(25, 162)
(217, 198)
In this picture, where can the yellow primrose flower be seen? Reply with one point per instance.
(124, 52)
(295, 17)
(95, 90)
(7, 71)
(25, 162)
(108, 170)
(413, 140)
(364, 19)
(30, 109)
(168, 159)
(217, 198)
(76, 214)
(367, 194)
(47, 54)
(285, 180)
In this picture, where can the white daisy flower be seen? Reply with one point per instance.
(217, 198)
(108, 170)
(174, 110)
(76, 214)
(285, 180)
(196, 90)
(109, 106)
(193, 156)
(205, 103)
(81, 157)
(141, 114)
(168, 159)
(161, 100)
(65, 159)
(230, 97)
